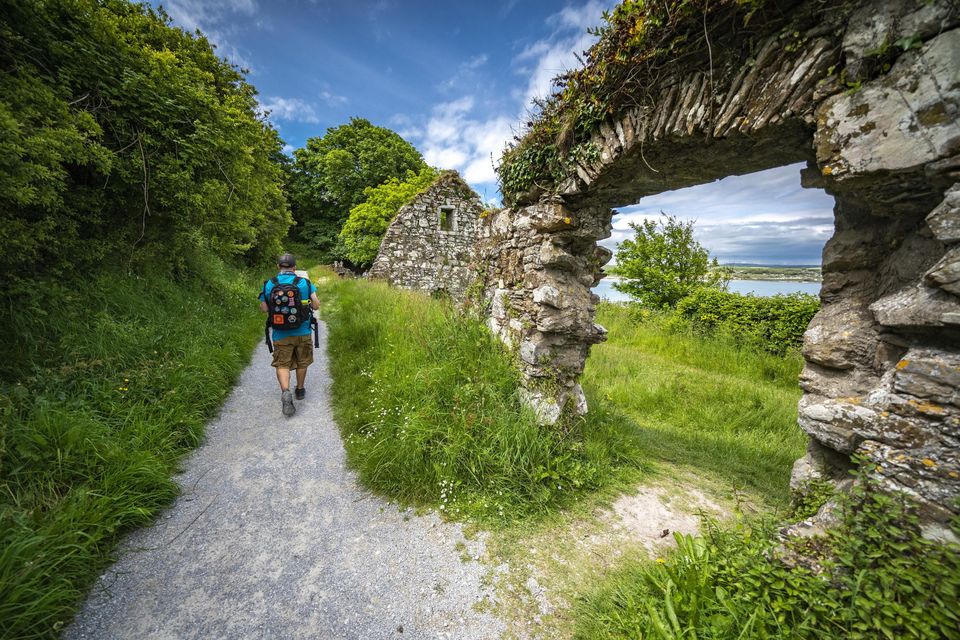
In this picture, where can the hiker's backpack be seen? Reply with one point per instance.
(285, 307)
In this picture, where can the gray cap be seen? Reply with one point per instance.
(286, 260)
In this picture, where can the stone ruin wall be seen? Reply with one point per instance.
(417, 254)
(882, 372)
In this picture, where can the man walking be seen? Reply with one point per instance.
(292, 348)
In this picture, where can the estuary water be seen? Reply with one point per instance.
(756, 287)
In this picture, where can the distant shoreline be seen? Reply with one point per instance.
(787, 274)
(773, 273)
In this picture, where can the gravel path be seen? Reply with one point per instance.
(273, 538)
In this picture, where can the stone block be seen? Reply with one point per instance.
(946, 273)
(833, 422)
(929, 374)
(917, 306)
(944, 221)
(548, 295)
(840, 336)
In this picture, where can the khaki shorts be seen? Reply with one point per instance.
(293, 352)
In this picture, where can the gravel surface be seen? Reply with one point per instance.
(273, 538)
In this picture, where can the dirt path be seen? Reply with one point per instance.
(273, 538)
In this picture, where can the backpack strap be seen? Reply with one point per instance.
(266, 328)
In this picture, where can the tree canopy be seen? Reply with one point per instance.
(121, 136)
(368, 221)
(663, 263)
(332, 172)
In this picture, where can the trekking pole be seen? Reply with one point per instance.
(316, 328)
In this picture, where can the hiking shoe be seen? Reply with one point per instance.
(287, 399)
(300, 394)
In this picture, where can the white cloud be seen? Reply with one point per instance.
(462, 134)
(453, 139)
(332, 99)
(290, 109)
(546, 59)
(212, 18)
(764, 217)
(466, 72)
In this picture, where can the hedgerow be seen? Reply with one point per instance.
(775, 324)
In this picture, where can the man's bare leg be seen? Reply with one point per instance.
(301, 377)
(283, 377)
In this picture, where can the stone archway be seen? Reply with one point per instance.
(882, 374)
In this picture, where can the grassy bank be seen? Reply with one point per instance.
(99, 401)
(701, 401)
(428, 403)
(429, 406)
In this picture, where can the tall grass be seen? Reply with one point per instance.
(99, 401)
(701, 401)
(429, 407)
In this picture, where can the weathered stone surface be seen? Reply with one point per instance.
(946, 273)
(840, 336)
(900, 121)
(930, 374)
(918, 306)
(945, 219)
(834, 423)
(418, 253)
(888, 22)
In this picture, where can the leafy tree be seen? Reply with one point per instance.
(368, 221)
(332, 171)
(663, 263)
(123, 138)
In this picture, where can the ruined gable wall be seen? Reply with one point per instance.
(882, 375)
(417, 254)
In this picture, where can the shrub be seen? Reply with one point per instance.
(662, 263)
(429, 406)
(872, 576)
(775, 324)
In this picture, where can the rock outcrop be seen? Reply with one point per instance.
(882, 375)
(429, 245)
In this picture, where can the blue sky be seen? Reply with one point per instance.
(455, 78)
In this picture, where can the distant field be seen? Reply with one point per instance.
(797, 274)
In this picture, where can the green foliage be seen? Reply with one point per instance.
(428, 403)
(775, 324)
(109, 392)
(663, 263)
(877, 578)
(368, 221)
(123, 138)
(332, 172)
(699, 400)
(807, 499)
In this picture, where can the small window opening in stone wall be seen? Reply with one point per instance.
(447, 219)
